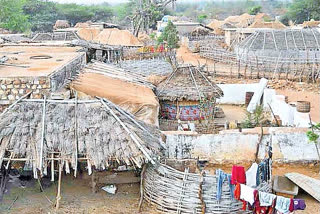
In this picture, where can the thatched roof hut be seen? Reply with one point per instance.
(188, 95)
(188, 83)
(96, 131)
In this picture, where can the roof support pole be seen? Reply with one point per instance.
(195, 83)
(42, 133)
(135, 140)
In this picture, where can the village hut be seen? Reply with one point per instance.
(130, 90)
(44, 132)
(187, 95)
(296, 45)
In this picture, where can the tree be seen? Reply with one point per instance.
(314, 137)
(255, 10)
(170, 36)
(202, 17)
(42, 15)
(12, 16)
(75, 13)
(304, 10)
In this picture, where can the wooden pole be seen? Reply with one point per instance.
(142, 186)
(59, 186)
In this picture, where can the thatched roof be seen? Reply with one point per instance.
(188, 83)
(263, 24)
(97, 131)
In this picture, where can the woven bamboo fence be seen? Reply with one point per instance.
(173, 191)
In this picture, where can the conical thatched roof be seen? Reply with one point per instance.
(188, 83)
(97, 131)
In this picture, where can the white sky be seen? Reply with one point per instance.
(109, 1)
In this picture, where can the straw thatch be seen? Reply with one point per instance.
(311, 23)
(263, 24)
(97, 131)
(114, 36)
(188, 83)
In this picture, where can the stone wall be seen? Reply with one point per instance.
(13, 88)
(288, 144)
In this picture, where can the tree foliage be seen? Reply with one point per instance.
(42, 15)
(12, 16)
(304, 10)
(170, 36)
(255, 10)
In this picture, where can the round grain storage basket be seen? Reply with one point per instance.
(303, 106)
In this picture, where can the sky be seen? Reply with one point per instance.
(101, 1)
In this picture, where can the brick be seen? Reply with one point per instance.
(14, 91)
(11, 97)
(23, 86)
(17, 97)
(28, 91)
(8, 82)
(37, 96)
(21, 91)
(16, 82)
(10, 86)
(34, 86)
(28, 85)
(41, 82)
(39, 86)
(16, 86)
(2, 92)
(36, 82)
(3, 86)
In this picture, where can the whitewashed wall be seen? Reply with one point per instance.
(236, 93)
(289, 144)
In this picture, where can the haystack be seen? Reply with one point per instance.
(188, 95)
(83, 24)
(263, 24)
(96, 131)
(114, 36)
(312, 23)
(122, 88)
(144, 38)
(262, 17)
(88, 34)
(241, 21)
(60, 24)
(216, 25)
(200, 31)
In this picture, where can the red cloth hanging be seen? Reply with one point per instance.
(238, 175)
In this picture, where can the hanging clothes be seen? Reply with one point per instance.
(266, 199)
(283, 204)
(246, 194)
(237, 194)
(238, 175)
(251, 175)
(221, 177)
(299, 204)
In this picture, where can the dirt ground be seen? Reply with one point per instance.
(77, 196)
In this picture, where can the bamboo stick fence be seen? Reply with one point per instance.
(173, 191)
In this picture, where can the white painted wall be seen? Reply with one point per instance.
(289, 144)
(236, 93)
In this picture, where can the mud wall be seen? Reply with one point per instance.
(289, 145)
